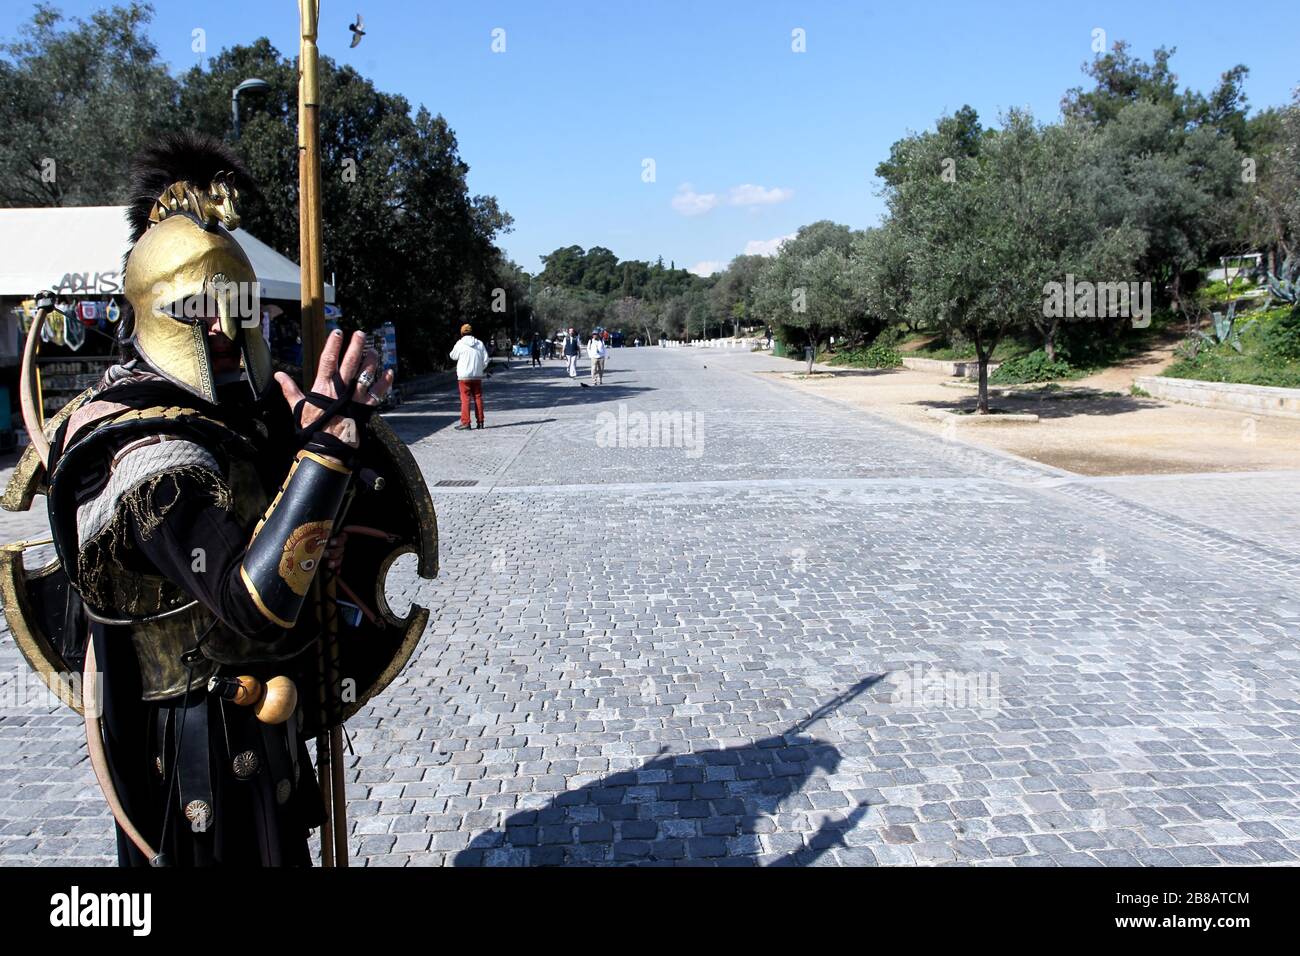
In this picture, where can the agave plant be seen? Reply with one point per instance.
(1226, 330)
(1286, 284)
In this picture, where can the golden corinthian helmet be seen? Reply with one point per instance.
(186, 267)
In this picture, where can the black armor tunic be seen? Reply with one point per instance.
(154, 495)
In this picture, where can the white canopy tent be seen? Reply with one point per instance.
(78, 250)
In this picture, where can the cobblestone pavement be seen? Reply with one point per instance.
(794, 633)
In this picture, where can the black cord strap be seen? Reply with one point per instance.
(314, 438)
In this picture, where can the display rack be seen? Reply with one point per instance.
(63, 378)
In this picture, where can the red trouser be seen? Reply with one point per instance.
(471, 388)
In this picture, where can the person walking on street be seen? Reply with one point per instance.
(596, 352)
(471, 360)
(571, 352)
(535, 351)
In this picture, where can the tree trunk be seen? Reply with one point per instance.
(1049, 340)
(982, 402)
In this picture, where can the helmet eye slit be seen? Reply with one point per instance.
(185, 309)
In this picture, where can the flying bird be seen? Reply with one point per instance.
(358, 30)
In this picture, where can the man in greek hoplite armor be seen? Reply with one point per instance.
(222, 538)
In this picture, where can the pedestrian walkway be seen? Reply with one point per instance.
(694, 615)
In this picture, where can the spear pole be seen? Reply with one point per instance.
(309, 193)
(329, 743)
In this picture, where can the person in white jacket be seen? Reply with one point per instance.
(471, 358)
(596, 352)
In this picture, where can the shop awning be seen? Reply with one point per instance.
(77, 250)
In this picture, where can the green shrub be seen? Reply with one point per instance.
(1220, 291)
(893, 335)
(1034, 367)
(1281, 337)
(874, 356)
(953, 347)
(882, 355)
(1222, 364)
(957, 348)
(1269, 353)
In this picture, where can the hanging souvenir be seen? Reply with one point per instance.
(89, 312)
(55, 327)
(112, 311)
(74, 335)
(26, 312)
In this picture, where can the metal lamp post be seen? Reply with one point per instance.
(246, 86)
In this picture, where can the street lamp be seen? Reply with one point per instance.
(246, 86)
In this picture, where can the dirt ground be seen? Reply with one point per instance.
(1118, 378)
(1092, 427)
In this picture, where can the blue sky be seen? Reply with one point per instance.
(749, 139)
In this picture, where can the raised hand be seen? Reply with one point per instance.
(357, 357)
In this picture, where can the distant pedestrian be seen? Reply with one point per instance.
(471, 360)
(535, 351)
(571, 352)
(596, 352)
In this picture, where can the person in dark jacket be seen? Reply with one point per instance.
(572, 349)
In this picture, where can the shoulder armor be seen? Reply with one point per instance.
(107, 474)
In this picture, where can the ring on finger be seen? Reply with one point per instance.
(366, 379)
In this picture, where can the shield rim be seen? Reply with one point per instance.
(35, 647)
(426, 551)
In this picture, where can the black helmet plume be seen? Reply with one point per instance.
(193, 157)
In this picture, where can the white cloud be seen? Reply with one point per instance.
(750, 195)
(690, 203)
(765, 247)
(706, 268)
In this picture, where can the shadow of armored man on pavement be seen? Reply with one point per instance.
(705, 809)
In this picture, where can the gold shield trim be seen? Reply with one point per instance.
(28, 478)
(424, 546)
(35, 647)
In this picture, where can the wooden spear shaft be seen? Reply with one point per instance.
(309, 192)
(329, 745)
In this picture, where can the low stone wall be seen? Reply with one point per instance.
(962, 368)
(1248, 399)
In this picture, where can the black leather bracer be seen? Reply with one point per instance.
(289, 540)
